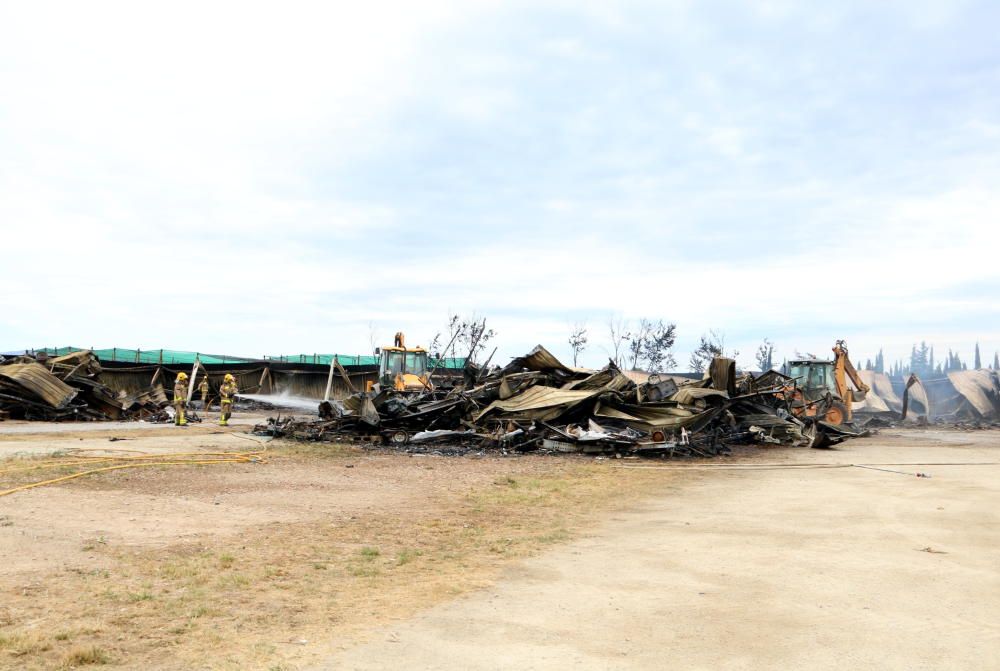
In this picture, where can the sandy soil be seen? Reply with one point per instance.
(49, 529)
(258, 565)
(335, 557)
(823, 568)
(20, 427)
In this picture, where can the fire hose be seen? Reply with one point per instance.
(116, 463)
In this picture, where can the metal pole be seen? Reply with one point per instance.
(194, 374)
(482, 372)
(329, 380)
(441, 358)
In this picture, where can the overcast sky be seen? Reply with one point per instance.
(255, 180)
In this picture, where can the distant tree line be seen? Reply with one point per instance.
(647, 345)
(923, 362)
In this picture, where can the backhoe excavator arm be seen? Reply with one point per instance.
(843, 369)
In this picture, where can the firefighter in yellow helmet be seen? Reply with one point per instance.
(226, 393)
(203, 388)
(180, 399)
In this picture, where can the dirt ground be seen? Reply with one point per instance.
(267, 565)
(784, 568)
(319, 556)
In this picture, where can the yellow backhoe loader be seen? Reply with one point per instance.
(402, 368)
(821, 390)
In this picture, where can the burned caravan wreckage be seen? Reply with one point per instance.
(536, 403)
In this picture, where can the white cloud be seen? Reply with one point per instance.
(249, 179)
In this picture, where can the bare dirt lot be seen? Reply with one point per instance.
(330, 557)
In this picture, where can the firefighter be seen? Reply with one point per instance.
(226, 393)
(180, 399)
(203, 388)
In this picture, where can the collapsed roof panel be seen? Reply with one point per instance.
(538, 403)
(981, 388)
(36, 379)
(881, 397)
(540, 359)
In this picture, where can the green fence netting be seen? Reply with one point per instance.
(150, 356)
(177, 357)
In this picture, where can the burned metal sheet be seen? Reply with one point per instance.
(608, 379)
(881, 397)
(69, 388)
(691, 395)
(541, 403)
(722, 372)
(40, 383)
(540, 359)
(914, 392)
(981, 388)
(648, 417)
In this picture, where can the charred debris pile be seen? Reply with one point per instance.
(538, 404)
(67, 388)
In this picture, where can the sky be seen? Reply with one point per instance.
(292, 177)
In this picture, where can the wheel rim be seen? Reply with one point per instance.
(835, 415)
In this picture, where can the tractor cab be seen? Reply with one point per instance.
(403, 368)
(814, 391)
(813, 377)
(822, 389)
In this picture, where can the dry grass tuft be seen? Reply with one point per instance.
(90, 655)
(23, 644)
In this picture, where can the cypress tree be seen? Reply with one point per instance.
(979, 362)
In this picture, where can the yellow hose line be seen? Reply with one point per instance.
(237, 458)
(98, 460)
(101, 449)
(139, 454)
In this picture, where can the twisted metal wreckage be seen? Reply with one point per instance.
(534, 403)
(80, 386)
(69, 388)
(538, 403)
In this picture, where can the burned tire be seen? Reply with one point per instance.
(398, 437)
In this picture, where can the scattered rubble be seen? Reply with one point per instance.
(68, 388)
(536, 403)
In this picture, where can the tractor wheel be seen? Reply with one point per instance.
(836, 413)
